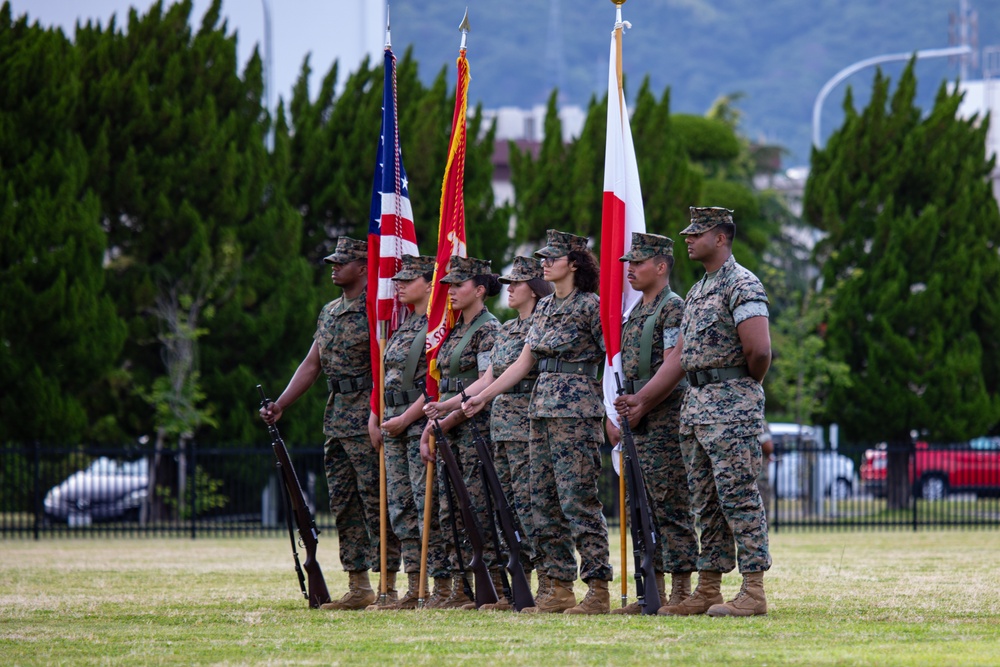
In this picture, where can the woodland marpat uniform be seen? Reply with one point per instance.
(720, 422)
(566, 436)
(351, 462)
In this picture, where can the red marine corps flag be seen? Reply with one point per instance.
(451, 242)
(451, 228)
(622, 214)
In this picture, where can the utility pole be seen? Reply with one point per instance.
(963, 30)
(268, 74)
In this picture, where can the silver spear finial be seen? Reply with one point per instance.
(388, 31)
(465, 29)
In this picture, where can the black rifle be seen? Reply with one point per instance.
(504, 517)
(485, 591)
(642, 526)
(449, 496)
(299, 510)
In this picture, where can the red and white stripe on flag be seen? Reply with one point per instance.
(622, 214)
(391, 233)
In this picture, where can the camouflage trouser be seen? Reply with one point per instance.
(665, 475)
(722, 462)
(464, 449)
(566, 513)
(513, 469)
(406, 478)
(352, 477)
(764, 485)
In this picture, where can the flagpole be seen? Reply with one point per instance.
(458, 242)
(383, 494)
(622, 511)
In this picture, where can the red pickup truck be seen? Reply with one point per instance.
(972, 467)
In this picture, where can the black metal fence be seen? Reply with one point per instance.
(219, 491)
(895, 485)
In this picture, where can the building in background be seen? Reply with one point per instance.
(983, 97)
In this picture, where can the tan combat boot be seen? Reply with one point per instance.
(391, 595)
(544, 587)
(442, 591)
(409, 599)
(597, 600)
(680, 588)
(705, 595)
(750, 601)
(502, 603)
(458, 599)
(358, 596)
(559, 599)
(635, 607)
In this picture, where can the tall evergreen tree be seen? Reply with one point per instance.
(912, 250)
(543, 185)
(670, 181)
(200, 247)
(59, 333)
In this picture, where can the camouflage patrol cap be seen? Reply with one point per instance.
(524, 269)
(561, 243)
(414, 266)
(461, 269)
(704, 218)
(645, 246)
(348, 250)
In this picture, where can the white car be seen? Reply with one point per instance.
(800, 463)
(105, 491)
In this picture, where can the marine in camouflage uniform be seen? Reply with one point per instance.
(340, 350)
(405, 471)
(465, 365)
(657, 435)
(509, 422)
(565, 414)
(721, 419)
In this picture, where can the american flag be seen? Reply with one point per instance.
(391, 233)
(622, 214)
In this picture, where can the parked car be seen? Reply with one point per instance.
(936, 471)
(873, 471)
(801, 461)
(104, 491)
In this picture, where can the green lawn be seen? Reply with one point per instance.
(838, 598)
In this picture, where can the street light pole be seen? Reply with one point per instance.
(861, 64)
(268, 72)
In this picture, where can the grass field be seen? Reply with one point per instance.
(837, 598)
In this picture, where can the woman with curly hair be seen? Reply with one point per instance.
(565, 437)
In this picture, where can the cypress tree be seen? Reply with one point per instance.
(59, 333)
(544, 189)
(912, 250)
(200, 247)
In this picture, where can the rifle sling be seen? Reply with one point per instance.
(646, 341)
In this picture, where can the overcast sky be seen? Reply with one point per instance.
(343, 30)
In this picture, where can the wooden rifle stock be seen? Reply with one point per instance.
(485, 591)
(520, 588)
(303, 519)
(643, 527)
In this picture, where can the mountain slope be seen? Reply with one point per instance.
(779, 57)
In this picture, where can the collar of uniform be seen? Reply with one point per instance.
(559, 301)
(709, 278)
(645, 307)
(358, 303)
(460, 322)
